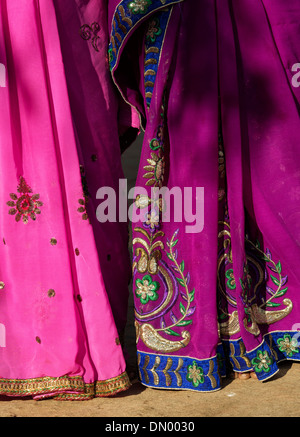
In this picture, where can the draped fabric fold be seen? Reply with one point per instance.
(63, 308)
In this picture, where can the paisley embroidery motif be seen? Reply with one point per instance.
(24, 205)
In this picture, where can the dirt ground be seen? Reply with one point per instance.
(277, 397)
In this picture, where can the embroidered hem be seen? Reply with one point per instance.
(63, 388)
(188, 373)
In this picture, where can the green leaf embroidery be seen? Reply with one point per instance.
(171, 332)
(273, 304)
(182, 308)
(281, 292)
(192, 295)
(185, 323)
(275, 280)
(181, 281)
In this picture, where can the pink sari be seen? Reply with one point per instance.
(61, 318)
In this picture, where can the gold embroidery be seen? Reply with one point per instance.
(153, 370)
(231, 326)
(232, 356)
(51, 292)
(53, 241)
(147, 360)
(26, 205)
(48, 385)
(177, 374)
(243, 352)
(210, 374)
(153, 340)
(166, 370)
(82, 209)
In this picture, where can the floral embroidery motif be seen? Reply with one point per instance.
(91, 32)
(195, 374)
(262, 361)
(288, 345)
(146, 289)
(139, 6)
(155, 169)
(26, 205)
(231, 281)
(154, 30)
(152, 220)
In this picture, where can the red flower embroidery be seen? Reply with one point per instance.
(25, 204)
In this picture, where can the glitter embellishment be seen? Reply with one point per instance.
(25, 205)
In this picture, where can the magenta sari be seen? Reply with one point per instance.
(63, 275)
(214, 84)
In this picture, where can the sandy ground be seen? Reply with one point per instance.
(277, 397)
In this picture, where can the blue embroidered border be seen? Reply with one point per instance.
(153, 52)
(186, 373)
(124, 21)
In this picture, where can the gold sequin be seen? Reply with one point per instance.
(118, 341)
(79, 298)
(77, 251)
(38, 340)
(2, 285)
(51, 292)
(53, 241)
(94, 158)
